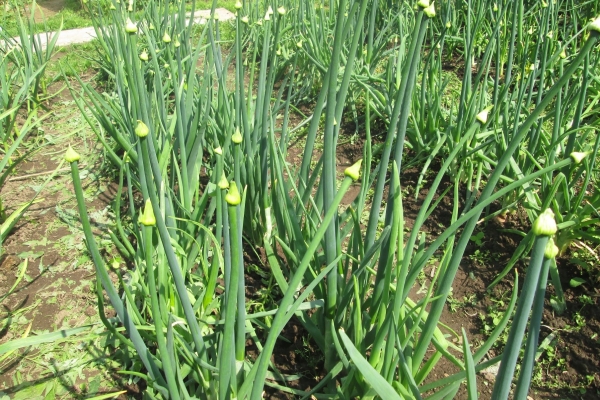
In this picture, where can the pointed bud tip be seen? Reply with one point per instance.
(595, 24)
(237, 136)
(353, 171)
(578, 157)
(551, 250)
(545, 224)
(223, 182)
(147, 217)
(482, 116)
(71, 155)
(430, 10)
(141, 130)
(233, 197)
(130, 27)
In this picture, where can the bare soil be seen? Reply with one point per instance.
(46, 9)
(58, 288)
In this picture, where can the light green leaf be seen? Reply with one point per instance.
(377, 382)
(577, 282)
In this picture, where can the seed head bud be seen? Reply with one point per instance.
(166, 38)
(141, 130)
(353, 171)
(144, 56)
(112, 7)
(233, 197)
(495, 7)
(448, 25)
(238, 5)
(270, 10)
(531, 67)
(578, 157)
(147, 217)
(551, 250)
(550, 35)
(299, 44)
(176, 43)
(423, 3)
(281, 10)
(218, 151)
(151, 27)
(530, 31)
(267, 16)
(430, 11)
(223, 182)
(259, 22)
(544, 4)
(482, 116)
(245, 19)
(130, 27)
(595, 25)
(545, 224)
(71, 155)
(216, 17)
(237, 136)
(563, 54)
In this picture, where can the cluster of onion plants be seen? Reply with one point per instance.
(200, 135)
(519, 68)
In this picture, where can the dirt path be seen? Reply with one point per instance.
(58, 288)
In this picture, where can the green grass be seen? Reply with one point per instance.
(73, 59)
(72, 16)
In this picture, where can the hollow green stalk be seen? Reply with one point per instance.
(148, 220)
(533, 287)
(73, 158)
(171, 257)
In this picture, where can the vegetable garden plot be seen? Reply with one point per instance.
(516, 139)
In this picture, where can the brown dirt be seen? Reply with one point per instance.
(46, 9)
